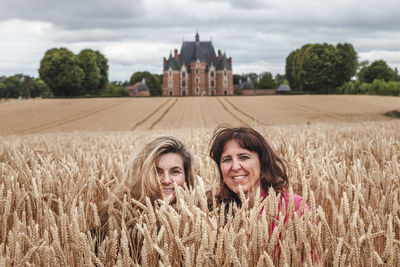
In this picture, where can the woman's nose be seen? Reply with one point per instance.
(236, 165)
(165, 178)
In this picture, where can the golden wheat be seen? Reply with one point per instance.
(349, 174)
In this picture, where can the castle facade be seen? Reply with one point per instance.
(197, 71)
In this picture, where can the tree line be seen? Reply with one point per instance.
(313, 68)
(324, 68)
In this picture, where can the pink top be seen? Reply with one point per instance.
(285, 195)
(297, 203)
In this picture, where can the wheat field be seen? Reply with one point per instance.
(347, 168)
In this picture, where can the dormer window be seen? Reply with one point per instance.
(212, 74)
(183, 75)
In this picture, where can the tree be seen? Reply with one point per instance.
(10, 87)
(254, 77)
(280, 79)
(20, 85)
(40, 88)
(377, 70)
(320, 67)
(102, 64)
(266, 81)
(115, 89)
(153, 81)
(236, 78)
(61, 71)
(348, 63)
(88, 63)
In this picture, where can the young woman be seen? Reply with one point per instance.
(245, 159)
(161, 163)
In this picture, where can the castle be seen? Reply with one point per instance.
(197, 71)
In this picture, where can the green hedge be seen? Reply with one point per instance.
(377, 87)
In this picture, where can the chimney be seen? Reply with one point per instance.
(176, 55)
(219, 55)
(230, 61)
(165, 62)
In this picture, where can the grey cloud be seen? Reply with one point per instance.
(74, 14)
(254, 33)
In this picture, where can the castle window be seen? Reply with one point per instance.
(197, 71)
(212, 92)
(170, 93)
(225, 92)
(184, 92)
(170, 73)
(197, 80)
(212, 74)
(183, 83)
(183, 75)
(197, 90)
(224, 72)
(212, 83)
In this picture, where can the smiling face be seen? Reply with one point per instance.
(240, 166)
(170, 169)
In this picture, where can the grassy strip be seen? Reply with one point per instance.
(393, 114)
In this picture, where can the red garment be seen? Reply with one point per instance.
(297, 203)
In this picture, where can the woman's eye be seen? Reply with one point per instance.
(244, 157)
(226, 160)
(176, 172)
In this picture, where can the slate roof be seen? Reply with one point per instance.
(137, 87)
(143, 86)
(197, 50)
(248, 84)
(171, 64)
(224, 63)
(283, 88)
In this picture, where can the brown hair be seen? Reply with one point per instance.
(273, 171)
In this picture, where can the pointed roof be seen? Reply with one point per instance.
(197, 51)
(283, 88)
(248, 84)
(171, 63)
(143, 86)
(224, 63)
(240, 85)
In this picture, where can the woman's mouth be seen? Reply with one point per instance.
(239, 177)
(168, 190)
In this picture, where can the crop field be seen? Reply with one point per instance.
(59, 158)
(129, 114)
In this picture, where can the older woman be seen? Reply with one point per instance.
(245, 159)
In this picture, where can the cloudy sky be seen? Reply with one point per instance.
(135, 35)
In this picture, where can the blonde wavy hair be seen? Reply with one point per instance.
(142, 180)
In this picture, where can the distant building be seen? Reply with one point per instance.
(247, 88)
(283, 88)
(197, 70)
(139, 89)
